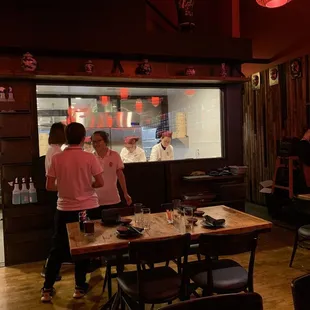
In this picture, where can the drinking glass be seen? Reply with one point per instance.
(189, 214)
(146, 218)
(138, 214)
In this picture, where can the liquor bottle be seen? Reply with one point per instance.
(24, 193)
(16, 193)
(32, 192)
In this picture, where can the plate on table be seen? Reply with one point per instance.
(209, 225)
(125, 232)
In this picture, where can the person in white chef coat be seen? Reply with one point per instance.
(131, 153)
(163, 150)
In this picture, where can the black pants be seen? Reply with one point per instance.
(60, 250)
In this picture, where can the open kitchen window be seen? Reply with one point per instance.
(193, 116)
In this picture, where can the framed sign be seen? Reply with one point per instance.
(274, 76)
(296, 68)
(256, 81)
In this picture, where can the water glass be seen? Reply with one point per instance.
(189, 214)
(146, 218)
(138, 214)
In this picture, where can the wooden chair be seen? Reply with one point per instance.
(248, 301)
(300, 291)
(158, 284)
(115, 260)
(224, 276)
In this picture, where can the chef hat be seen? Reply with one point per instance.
(131, 139)
(166, 134)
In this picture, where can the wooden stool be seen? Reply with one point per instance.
(291, 168)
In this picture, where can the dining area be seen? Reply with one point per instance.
(178, 258)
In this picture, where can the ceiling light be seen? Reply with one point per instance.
(78, 98)
(271, 4)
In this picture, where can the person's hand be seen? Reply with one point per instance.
(128, 199)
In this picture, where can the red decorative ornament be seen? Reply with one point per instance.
(190, 92)
(105, 100)
(155, 101)
(272, 4)
(124, 93)
(139, 106)
(110, 121)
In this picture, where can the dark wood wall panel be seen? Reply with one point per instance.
(271, 113)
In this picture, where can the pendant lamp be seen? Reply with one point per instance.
(271, 4)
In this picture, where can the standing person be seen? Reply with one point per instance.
(73, 169)
(113, 171)
(131, 153)
(56, 140)
(163, 150)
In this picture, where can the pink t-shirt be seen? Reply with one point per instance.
(108, 194)
(73, 169)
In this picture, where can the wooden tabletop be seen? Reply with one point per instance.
(105, 238)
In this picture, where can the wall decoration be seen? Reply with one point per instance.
(2, 94)
(274, 76)
(144, 68)
(256, 81)
(117, 66)
(185, 9)
(296, 68)
(89, 67)
(139, 106)
(105, 100)
(124, 93)
(29, 63)
(224, 70)
(10, 94)
(155, 101)
(190, 71)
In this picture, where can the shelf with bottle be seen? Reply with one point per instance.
(24, 195)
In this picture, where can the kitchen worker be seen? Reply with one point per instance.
(113, 166)
(131, 153)
(163, 150)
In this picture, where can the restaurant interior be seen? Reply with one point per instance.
(215, 96)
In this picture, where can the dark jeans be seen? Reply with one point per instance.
(60, 250)
(96, 213)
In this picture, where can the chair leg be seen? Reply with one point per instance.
(198, 256)
(105, 281)
(167, 263)
(109, 281)
(294, 249)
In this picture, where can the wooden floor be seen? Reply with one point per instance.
(20, 285)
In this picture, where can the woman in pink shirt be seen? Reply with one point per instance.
(113, 166)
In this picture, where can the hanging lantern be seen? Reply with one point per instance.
(110, 121)
(155, 101)
(271, 4)
(124, 93)
(105, 100)
(190, 92)
(139, 106)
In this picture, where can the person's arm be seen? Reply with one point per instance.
(97, 172)
(142, 156)
(51, 184)
(51, 177)
(99, 182)
(154, 154)
(122, 180)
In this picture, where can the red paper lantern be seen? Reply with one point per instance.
(110, 121)
(105, 100)
(190, 92)
(155, 101)
(124, 93)
(139, 106)
(271, 4)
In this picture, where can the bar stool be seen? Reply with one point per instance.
(302, 237)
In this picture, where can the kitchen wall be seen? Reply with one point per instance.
(202, 109)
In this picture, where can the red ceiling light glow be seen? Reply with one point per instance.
(139, 106)
(155, 101)
(190, 92)
(124, 93)
(271, 4)
(110, 121)
(105, 100)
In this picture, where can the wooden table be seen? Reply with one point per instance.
(106, 241)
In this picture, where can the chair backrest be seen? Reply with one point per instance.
(114, 212)
(248, 301)
(300, 291)
(142, 252)
(221, 245)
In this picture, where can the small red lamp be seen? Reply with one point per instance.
(272, 4)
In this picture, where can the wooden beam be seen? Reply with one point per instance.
(235, 11)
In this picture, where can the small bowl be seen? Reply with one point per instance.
(192, 220)
(199, 213)
(124, 220)
(122, 229)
